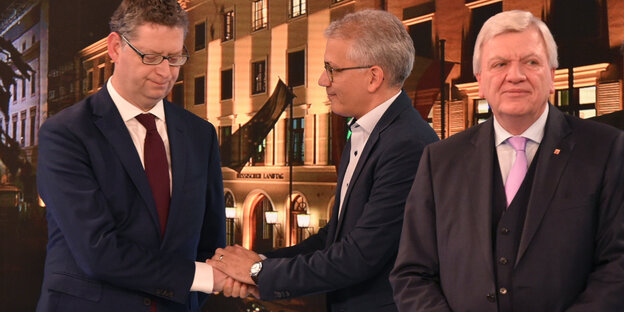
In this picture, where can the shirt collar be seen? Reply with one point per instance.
(129, 111)
(370, 119)
(534, 133)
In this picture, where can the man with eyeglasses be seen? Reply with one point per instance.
(368, 56)
(132, 182)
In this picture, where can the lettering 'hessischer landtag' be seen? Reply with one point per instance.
(261, 176)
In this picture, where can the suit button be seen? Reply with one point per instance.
(505, 231)
(503, 291)
(491, 297)
(147, 301)
(503, 260)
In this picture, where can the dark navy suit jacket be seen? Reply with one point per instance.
(105, 251)
(571, 251)
(351, 257)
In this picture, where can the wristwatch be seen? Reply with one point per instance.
(255, 271)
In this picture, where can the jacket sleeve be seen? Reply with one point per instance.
(415, 278)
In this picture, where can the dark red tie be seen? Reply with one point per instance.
(156, 168)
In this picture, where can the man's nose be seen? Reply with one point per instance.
(163, 69)
(515, 72)
(323, 80)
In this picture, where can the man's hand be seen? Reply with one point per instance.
(234, 288)
(219, 279)
(236, 262)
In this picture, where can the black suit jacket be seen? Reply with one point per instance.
(571, 252)
(352, 256)
(105, 251)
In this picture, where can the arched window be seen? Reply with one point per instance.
(299, 206)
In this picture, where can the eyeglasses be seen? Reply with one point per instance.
(330, 70)
(155, 59)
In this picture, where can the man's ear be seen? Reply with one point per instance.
(114, 45)
(376, 78)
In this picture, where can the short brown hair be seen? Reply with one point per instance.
(133, 13)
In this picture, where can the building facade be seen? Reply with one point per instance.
(240, 49)
(27, 30)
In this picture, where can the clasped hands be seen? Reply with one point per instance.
(231, 266)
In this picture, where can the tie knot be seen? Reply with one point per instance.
(147, 120)
(517, 142)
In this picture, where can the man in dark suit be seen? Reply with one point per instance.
(493, 225)
(367, 58)
(132, 182)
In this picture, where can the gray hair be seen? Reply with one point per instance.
(133, 13)
(379, 38)
(513, 21)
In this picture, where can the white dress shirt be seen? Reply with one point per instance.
(203, 280)
(507, 154)
(360, 131)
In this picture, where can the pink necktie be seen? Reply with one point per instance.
(519, 168)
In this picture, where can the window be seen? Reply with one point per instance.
(479, 15)
(298, 146)
(102, 76)
(199, 90)
(228, 26)
(230, 234)
(297, 8)
(298, 206)
(225, 133)
(177, 94)
(14, 125)
(482, 111)
(296, 68)
(200, 36)
(258, 77)
(583, 101)
(33, 118)
(14, 92)
(421, 36)
(257, 158)
(259, 14)
(227, 84)
(22, 136)
(33, 84)
(90, 81)
(23, 88)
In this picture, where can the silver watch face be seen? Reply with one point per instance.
(255, 268)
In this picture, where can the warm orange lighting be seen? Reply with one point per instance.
(271, 217)
(303, 220)
(41, 203)
(230, 212)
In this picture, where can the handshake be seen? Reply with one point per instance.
(231, 271)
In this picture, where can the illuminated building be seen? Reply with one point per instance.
(239, 49)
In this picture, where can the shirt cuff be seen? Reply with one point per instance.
(203, 280)
(263, 257)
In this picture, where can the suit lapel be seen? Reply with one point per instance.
(479, 166)
(344, 162)
(400, 103)
(109, 122)
(177, 147)
(550, 166)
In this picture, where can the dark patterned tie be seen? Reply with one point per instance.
(156, 168)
